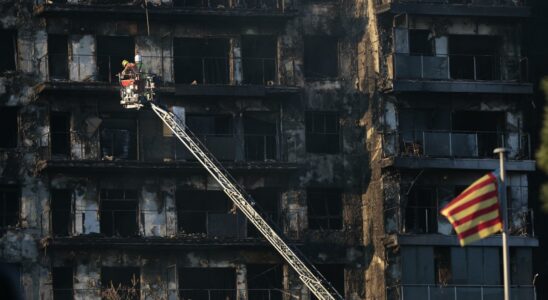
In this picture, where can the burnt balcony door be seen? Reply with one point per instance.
(57, 56)
(216, 132)
(259, 59)
(474, 57)
(201, 61)
(265, 282)
(120, 283)
(207, 283)
(60, 134)
(260, 136)
(209, 213)
(118, 139)
(111, 51)
(119, 213)
(8, 51)
(61, 212)
(488, 125)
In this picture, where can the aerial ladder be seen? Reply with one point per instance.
(138, 91)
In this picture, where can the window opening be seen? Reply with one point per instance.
(10, 202)
(57, 56)
(111, 51)
(259, 59)
(62, 283)
(120, 283)
(61, 211)
(10, 127)
(201, 61)
(119, 212)
(324, 209)
(207, 283)
(322, 132)
(321, 57)
(60, 134)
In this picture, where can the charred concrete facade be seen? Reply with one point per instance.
(448, 83)
(102, 203)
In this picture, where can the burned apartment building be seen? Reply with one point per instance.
(350, 123)
(448, 82)
(99, 202)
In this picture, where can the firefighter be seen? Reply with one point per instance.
(130, 69)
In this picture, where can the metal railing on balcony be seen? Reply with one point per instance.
(427, 219)
(460, 67)
(511, 3)
(456, 144)
(189, 70)
(458, 292)
(166, 293)
(209, 4)
(126, 145)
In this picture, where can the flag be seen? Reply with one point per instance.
(475, 213)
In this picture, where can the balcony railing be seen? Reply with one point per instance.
(459, 292)
(460, 67)
(171, 69)
(207, 4)
(154, 223)
(456, 144)
(165, 293)
(126, 145)
(426, 219)
(510, 3)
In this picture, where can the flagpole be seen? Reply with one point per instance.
(504, 209)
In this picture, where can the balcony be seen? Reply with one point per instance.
(480, 8)
(428, 220)
(175, 10)
(459, 292)
(120, 150)
(459, 73)
(123, 228)
(456, 150)
(178, 75)
(164, 293)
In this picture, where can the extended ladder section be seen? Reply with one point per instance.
(321, 288)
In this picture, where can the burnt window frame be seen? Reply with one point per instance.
(136, 294)
(200, 289)
(125, 124)
(252, 135)
(202, 205)
(328, 272)
(13, 142)
(416, 33)
(58, 62)
(207, 70)
(10, 66)
(109, 68)
(313, 43)
(268, 62)
(54, 134)
(70, 212)
(63, 293)
(334, 222)
(312, 133)
(16, 215)
(103, 197)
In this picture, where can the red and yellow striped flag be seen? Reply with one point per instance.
(475, 213)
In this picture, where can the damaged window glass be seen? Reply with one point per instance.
(8, 50)
(324, 209)
(322, 132)
(119, 213)
(10, 127)
(10, 201)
